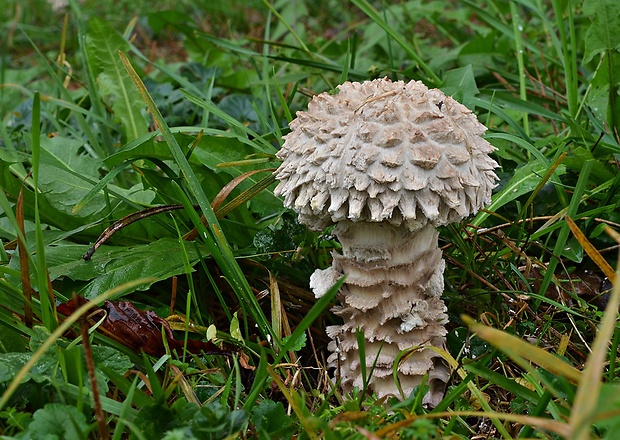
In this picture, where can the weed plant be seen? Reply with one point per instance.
(112, 110)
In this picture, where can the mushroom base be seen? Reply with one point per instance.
(392, 294)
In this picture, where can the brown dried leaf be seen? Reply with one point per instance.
(140, 330)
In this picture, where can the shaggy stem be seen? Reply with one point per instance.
(392, 294)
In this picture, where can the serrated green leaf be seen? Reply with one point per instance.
(242, 108)
(297, 344)
(56, 421)
(12, 363)
(153, 420)
(102, 46)
(214, 421)
(111, 359)
(271, 420)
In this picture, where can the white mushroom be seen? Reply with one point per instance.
(387, 162)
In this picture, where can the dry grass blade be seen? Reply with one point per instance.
(554, 426)
(538, 422)
(518, 349)
(613, 234)
(276, 306)
(186, 387)
(592, 252)
(221, 196)
(126, 221)
(584, 407)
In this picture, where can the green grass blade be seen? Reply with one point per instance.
(374, 15)
(124, 413)
(215, 240)
(573, 206)
(45, 296)
(82, 122)
(517, 27)
(568, 52)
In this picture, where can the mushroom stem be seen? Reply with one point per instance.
(393, 295)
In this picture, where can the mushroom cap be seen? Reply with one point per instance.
(385, 151)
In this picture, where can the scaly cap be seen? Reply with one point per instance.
(385, 151)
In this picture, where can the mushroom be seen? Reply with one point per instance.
(386, 162)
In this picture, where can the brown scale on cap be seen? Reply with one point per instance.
(387, 162)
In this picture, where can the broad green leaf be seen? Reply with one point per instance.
(67, 176)
(609, 403)
(575, 160)
(112, 266)
(598, 97)
(102, 46)
(461, 85)
(213, 151)
(145, 148)
(209, 154)
(524, 180)
(604, 32)
(242, 108)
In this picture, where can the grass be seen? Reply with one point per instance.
(111, 109)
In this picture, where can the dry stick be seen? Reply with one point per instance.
(126, 221)
(493, 267)
(90, 365)
(191, 235)
(472, 273)
(173, 295)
